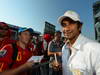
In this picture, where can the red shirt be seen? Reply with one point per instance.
(5, 41)
(22, 57)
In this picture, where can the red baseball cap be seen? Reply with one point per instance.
(3, 24)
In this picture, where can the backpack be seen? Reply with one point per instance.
(15, 52)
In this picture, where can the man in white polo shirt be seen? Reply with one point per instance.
(80, 56)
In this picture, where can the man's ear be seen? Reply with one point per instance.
(80, 27)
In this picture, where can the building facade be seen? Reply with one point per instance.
(96, 14)
(49, 28)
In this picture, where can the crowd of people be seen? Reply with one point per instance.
(73, 54)
(14, 54)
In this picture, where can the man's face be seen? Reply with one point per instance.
(58, 36)
(25, 37)
(70, 30)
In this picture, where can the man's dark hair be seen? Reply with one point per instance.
(58, 32)
(71, 21)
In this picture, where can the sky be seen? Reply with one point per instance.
(34, 13)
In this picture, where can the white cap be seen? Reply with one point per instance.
(71, 14)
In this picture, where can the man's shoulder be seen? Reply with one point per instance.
(52, 41)
(85, 41)
(92, 47)
(89, 42)
(92, 44)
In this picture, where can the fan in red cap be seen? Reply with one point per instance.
(5, 34)
(47, 37)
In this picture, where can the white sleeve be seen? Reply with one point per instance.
(97, 63)
(93, 57)
(96, 58)
(97, 66)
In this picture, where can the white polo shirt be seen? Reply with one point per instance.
(84, 59)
